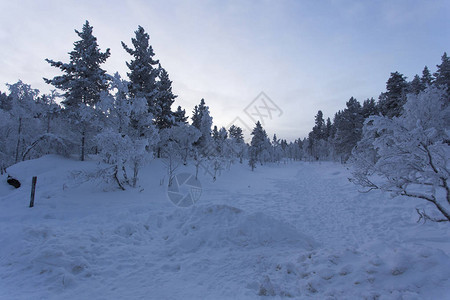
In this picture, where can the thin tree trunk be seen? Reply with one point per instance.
(83, 137)
(19, 135)
(48, 123)
(135, 173)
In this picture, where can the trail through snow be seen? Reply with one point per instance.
(298, 230)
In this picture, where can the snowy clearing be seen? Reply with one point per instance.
(296, 230)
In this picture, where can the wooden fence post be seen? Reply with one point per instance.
(33, 190)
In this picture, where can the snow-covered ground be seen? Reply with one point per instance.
(298, 229)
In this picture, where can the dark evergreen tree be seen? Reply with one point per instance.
(442, 74)
(328, 129)
(391, 102)
(319, 127)
(83, 80)
(196, 119)
(369, 108)
(202, 120)
(163, 115)
(143, 73)
(316, 135)
(237, 145)
(180, 115)
(215, 133)
(83, 83)
(220, 139)
(277, 151)
(427, 79)
(197, 114)
(311, 145)
(284, 144)
(337, 117)
(416, 85)
(258, 145)
(236, 133)
(5, 101)
(348, 128)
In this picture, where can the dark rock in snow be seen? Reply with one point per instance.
(14, 182)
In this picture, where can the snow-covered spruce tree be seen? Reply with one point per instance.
(442, 74)
(197, 114)
(319, 144)
(205, 139)
(369, 108)
(180, 115)
(207, 153)
(416, 85)
(391, 102)
(259, 145)
(237, 144)
(328, 129)
(83, 79)
(319, 127)
(220, 139)
(164, 117)
(82, 83)
(5, 101)
(409, 155)
(143, 69)
(427, 79)
(222, 154)
(277, 151)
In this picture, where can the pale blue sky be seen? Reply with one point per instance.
(305, 55)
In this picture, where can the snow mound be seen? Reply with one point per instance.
(51, 163)
(218, 226)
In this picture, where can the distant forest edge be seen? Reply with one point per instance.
(402, 137)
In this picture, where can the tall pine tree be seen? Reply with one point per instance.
(197, 114)
(83, 80)
(391, 102)
(416, 85)
(258, 145)
(164, 117)
(349, 125)
(442, 74)
(180, 115)
(143, 73)
(427, 79)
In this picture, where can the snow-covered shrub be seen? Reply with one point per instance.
(409, 155)
(122, 153)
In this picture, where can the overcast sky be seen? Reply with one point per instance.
(304, 55)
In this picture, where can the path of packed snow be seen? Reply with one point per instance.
(299, 230)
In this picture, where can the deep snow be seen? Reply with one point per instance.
(298, 229)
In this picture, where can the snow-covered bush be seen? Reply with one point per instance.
(181, 137)
(409, 155)
(122, 153)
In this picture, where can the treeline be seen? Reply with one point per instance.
(335, 140)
